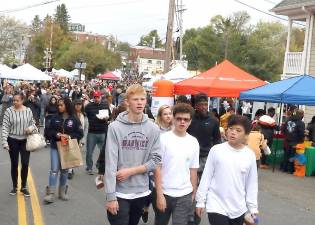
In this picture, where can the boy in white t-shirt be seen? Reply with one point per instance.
(176, 178)
(229, 186)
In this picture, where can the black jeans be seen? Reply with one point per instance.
(218, 219)
(18, 147)
(129, 213)
(288, 165)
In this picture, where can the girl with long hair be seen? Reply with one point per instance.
(164, 118)
(63, 125)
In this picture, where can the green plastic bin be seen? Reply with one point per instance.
(277, 152)
(310, 161)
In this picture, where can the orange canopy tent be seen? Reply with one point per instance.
(223, 80)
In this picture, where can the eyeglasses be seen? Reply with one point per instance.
(96, 96)
(180, 119)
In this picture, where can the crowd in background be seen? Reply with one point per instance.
(70, 108)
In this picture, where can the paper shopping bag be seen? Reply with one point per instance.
(70, 154)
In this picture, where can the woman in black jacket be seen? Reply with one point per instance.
(32, 102)
(50, 111)
(62, 125)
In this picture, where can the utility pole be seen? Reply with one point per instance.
(50, 44)
(48, 51)
(180, 10)
(169, 36)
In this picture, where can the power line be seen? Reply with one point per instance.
(28, 7)
(106, 4)
(271, 2)
(269, 14)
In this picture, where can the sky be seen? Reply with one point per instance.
(130, 19)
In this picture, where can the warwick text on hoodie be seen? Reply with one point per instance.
(130, 144)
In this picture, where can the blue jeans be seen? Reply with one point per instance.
(55, 169)
(42, 116)
(91, 141)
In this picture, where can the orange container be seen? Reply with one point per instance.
(163, 88)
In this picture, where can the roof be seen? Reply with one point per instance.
(147, 48)
(297, 90)
(291, 4)
(223, 80)
(146, 53)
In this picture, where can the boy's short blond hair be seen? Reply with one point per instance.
(135, 89)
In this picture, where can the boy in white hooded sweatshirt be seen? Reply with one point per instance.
(229, 184)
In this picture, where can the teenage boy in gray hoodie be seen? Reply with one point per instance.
(132, 151)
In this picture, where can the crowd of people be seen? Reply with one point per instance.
(184, 162)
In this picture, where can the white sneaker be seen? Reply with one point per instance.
(99, 182)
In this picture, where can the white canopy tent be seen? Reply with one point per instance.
(75, 73)
(29, 72)
(7, 73)
(148, 76)
(178, 73)
(64, 73)
(148, 85)
(117, 73)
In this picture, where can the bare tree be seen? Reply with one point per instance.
(13, 35)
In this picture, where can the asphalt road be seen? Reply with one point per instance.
(283, 199)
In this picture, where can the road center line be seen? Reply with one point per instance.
(22, 219)
(37, 212)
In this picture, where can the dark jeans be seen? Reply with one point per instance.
(217, 219)
(18, 147)
(179, 208)
(91, 141)
(129, 213)
(100, 164)
(289, 153)
(149, 198)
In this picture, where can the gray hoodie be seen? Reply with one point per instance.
(130, 144)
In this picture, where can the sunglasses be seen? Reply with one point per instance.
(180, 119)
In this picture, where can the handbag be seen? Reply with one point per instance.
(35, 141)
(70, 154)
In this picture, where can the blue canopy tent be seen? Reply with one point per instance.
(297, 90)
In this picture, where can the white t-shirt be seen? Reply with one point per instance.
(229, 183)
(133, 196)
(179, 155)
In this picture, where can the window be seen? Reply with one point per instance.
(150, 61)
(158, 62)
